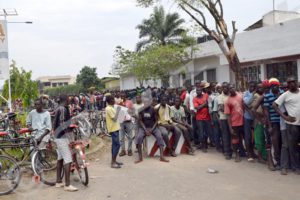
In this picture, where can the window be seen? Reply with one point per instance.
(47, 84)
(252, 73)
(211, 75)
(282, 70)
(54, 84)
(187, 79)
(199, 76)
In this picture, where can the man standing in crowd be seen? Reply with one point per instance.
(202, 117)
(291, 101)
(61, 123)
(166, 125)
(273, 121)
(179, 117)
(126, 126)
(113, 128)
(212, 102)
(192, 95)
(219, 106)
(248, 120)
(235, 110)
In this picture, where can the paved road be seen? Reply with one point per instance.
(185, 177)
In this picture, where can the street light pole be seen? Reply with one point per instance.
(6, 13)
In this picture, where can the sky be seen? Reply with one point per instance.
(69, 34)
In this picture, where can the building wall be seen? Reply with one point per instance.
(130, 82)
(113, 84)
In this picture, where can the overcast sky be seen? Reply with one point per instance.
(69, 34)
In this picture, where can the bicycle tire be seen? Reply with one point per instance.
(9, 173)
(81, 168)
(44, 164)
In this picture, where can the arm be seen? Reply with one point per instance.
(280, 101)
(29, 120)
(141, 123)
(248, 98)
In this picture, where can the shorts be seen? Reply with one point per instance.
(63, 150)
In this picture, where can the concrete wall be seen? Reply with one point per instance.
(130, 82)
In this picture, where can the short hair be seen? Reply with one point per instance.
(109, 99)
(63, 98)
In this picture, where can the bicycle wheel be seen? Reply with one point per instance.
(80, 165)
(44, 164)
(10, 175)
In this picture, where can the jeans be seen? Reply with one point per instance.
(217, 134)
(285, 154)
(156, 133)
(226, 137)
(126, 130)
(165, 129)
(204, 130)
(248, 125)
(115, 147)
(293, 132)
(237, 140)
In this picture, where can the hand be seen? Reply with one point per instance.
(290, 119)
(148, 132)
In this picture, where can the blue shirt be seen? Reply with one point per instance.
(248, 98)
(269, 98)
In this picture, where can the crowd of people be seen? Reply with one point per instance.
(261, 124)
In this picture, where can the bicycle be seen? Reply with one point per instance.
(43, 162)
(102, 124)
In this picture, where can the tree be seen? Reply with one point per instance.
(154, 62)
(221, 35)
(68, 89)
(22, 86)
(160, 28)
(88, 77)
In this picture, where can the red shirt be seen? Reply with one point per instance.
(203, 113)
(234, 107)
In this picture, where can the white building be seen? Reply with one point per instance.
(56, 81)
(268, 48)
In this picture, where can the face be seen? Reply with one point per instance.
(232, 90)
(260, 89)
(199, 91)
(177, 102)
(163, 101)
(138, 99)
(252, 87)
(292, 84)
(38, 106)
(219, 89)
(275, 88)
(225, 88)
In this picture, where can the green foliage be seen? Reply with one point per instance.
(161, 28)
(22, 86)
(154, 62)
(68, 89)
(88, 78)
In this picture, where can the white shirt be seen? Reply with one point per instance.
(291, 102)
(193, 94)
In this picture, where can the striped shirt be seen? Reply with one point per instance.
(269, 98)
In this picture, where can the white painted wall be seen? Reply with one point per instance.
(276, 17)
(130, 82)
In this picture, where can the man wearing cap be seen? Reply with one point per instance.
(273, 122)
(291, 101)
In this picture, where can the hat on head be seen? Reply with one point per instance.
(266, 83)
(274, 81)
(204, 84)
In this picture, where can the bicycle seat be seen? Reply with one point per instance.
(73, 126)
(2, 134)
(24, 131)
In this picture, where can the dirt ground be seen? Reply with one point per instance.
(185, 177)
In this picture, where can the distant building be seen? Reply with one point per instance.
(111, 83)
(56, 81)
(268, 48)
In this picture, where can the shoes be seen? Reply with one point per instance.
(115, 166)
(70, 188)
(173, 154)
(284, 172)
(297, 171)
(227, 157)
(59, 185)
(250, 160)
(277, 167)
(129, 152)
(123, 153)
(119, 163)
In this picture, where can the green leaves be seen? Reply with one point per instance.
(88, 77)
(22, 86)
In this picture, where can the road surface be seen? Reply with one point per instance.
(185, 177)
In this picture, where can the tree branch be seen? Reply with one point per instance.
(235, 30)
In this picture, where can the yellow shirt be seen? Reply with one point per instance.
(164, 115)
(112, 125)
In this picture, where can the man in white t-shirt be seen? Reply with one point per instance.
(291, 101)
